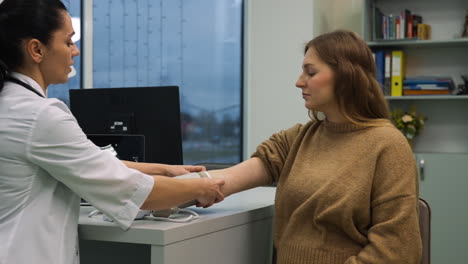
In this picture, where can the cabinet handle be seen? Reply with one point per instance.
(421, 169)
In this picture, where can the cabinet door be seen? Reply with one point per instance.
(444, 183)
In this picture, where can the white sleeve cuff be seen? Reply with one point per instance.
(143, 187)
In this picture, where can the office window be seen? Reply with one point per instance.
(196, 45)
(60, 91)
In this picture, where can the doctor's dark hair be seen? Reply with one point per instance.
(23, 20)
(358, 94)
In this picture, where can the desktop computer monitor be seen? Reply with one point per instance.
(152, 112)
(126, 147)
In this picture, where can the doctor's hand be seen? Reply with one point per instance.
(210, 192)
(177, 170)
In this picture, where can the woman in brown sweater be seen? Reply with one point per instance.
(347, 187)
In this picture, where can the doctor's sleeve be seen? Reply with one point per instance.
(59, 146)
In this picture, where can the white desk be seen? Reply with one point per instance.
(235, 231)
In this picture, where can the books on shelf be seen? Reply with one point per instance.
(428, 85)
(388, 73)
(379, 61)
(424, 32)
(390, 65)
(430, 82)
(404, 25)
(426, 92)
(398, 72)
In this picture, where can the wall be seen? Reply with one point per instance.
(330, 15)
(275, 34)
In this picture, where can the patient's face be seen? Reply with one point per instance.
(316, 82)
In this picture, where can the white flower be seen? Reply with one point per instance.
(407, 118)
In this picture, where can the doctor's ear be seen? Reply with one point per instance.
(35, 50)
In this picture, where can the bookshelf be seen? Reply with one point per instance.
(445, 54)
(445, 17)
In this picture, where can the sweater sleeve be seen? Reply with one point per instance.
(274, 151)
(394, 236)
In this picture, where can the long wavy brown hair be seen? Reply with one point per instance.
(358, 94)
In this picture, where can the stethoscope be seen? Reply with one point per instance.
(25, 85)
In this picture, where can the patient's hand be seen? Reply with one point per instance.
(176, 170)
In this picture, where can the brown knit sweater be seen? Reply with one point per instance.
(346, 194)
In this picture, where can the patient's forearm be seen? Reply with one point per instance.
(246, 175)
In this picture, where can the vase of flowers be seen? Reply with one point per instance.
(409, 123)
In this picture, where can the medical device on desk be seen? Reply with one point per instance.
(177, 214)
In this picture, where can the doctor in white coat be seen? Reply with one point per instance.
(46, 161)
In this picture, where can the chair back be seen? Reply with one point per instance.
(425, 229)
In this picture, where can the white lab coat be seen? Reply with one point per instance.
(46, 165)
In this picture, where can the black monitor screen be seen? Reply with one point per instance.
(153, 112)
